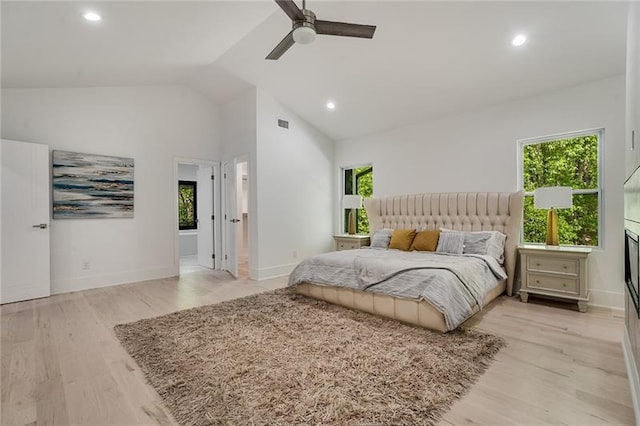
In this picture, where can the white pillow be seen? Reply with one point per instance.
(381, 238)
(483, 242)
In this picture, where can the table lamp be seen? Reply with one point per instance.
(552, 198)
(352, 202)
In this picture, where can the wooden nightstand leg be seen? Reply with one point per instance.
(524, 296)
(582, 306)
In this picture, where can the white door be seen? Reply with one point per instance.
(25, 222)
(205, 217)
(231, 220)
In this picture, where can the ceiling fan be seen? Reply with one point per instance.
(306, 26)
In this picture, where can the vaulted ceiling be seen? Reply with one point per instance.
(427, 59)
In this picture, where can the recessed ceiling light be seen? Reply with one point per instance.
(331, 105)
(519, 40)
(92, 16)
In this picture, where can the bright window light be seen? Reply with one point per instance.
(92, 16)
(519, 40)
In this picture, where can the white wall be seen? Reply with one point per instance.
(477, 151)
(295, 194)
(151, 124)
(239, 138)
(290, 182)
(188, 172)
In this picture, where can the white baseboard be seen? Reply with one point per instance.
(272, 272)
(98, 281)
(606, 299)
(632, 373)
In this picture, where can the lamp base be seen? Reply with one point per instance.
(552, 227)
(352, 223)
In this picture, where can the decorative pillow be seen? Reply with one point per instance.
(483, 242)
(475, 242)
(451, 242)
(426, 240)
(401, 239)
(495, 245)
(381, 238)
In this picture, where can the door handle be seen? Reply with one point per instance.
(41, 226)
(234, 220)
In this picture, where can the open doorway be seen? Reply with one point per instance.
(198, 239)
(236, 214)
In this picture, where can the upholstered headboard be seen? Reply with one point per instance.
(462, 211)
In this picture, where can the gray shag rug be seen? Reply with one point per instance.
(279, 358)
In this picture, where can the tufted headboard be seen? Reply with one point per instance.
(462, 211)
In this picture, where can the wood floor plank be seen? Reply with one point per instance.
(62, 364)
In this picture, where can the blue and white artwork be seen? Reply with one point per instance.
(91, 186)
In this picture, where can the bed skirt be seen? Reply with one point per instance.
(410, 311)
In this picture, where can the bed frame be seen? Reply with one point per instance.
(464, 211)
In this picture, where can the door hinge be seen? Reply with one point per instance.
(225, 257)
(213, 217)
(225, 216)
(225, 175)
(213, 177)
(213, 256)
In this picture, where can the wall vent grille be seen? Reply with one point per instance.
(283, 123)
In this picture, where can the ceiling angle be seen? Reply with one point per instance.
(306, 26)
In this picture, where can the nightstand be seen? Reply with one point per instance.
(350, 242)
(555, 271)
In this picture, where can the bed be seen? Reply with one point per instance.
(471, 212)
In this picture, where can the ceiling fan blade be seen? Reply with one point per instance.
(291, 9)
(282, 47)
(344, 29)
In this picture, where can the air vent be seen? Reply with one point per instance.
(283, 123)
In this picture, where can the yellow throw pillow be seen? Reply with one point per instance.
(426, 240)
(401, 239)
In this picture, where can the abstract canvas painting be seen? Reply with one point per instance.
(91, 186)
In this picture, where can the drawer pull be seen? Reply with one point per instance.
(537, 281)
(537, 264)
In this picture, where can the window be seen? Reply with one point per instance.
(571, 159)
(357, 181)
(187, 205)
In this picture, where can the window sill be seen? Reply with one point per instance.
(188, 232)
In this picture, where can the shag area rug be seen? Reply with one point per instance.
(279, 358)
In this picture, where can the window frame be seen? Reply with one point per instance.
(343, 169)
(194, 184)
(599, 131)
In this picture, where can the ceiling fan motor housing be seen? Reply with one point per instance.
(309, 20)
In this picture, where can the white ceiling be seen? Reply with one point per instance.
(49, 44)
(427, 59)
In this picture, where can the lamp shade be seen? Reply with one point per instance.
(558, 197)
(351, 202)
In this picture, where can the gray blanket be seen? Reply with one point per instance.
(453, 284)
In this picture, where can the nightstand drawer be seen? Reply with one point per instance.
(560, 284)
(548, 264)
(347, 246)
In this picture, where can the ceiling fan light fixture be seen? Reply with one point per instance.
(304, 35)
(92, 17)
(519, 40)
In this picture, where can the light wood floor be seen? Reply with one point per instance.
(61, 363)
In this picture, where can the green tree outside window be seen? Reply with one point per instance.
(570, 161)
(187, 205)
